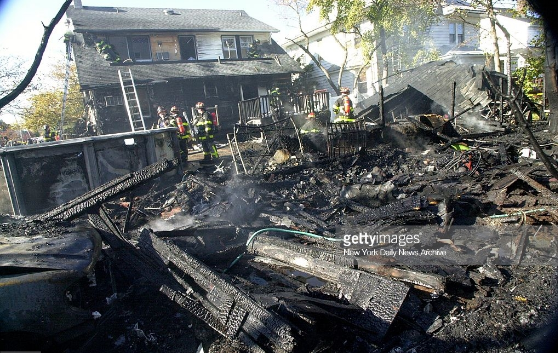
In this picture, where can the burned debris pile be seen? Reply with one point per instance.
(429, 237)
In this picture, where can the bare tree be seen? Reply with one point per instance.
(298, 8)
(38, 57)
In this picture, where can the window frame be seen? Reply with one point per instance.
(229, 49)
(132, 52)
(113, 101)
(245, 46)
(194, 46)
(456, 32)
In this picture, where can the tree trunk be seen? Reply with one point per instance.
(383, 50)
(494, 35)
(551, 82)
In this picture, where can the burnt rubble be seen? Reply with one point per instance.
(260, 257)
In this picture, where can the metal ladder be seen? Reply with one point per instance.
(131, 100)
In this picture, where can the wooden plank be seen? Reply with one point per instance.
(378, 297)
(244, 316)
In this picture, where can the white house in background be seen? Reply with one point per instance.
(461, 40)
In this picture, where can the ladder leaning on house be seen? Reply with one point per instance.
(131, 100)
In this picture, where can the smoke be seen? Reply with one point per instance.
(476, 123)
(172, 223)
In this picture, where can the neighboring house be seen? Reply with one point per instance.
(177, 57)
(463, 40)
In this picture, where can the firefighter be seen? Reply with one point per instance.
(183, 131)
(206, 129)
(343, 108)
(48, 135)
(314, 133)
(163, 120)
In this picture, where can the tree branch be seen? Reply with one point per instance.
(38, 57)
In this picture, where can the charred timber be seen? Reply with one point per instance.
(245, 318)
(378, 297)
(391, 210)
(549, 195)
(434, 283)
(97, 196)
(518, 114)
(429, 129)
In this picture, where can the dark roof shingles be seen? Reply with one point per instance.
(95, 71)
(95, 19)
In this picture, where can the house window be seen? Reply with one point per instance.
(140, 48)
(112, 101)
(210, 90)
(456, 33)
(120, 46)
(229, 47)
(245, 42)
(235, 47)
(187, 47)
(163, 56)
(362, 83)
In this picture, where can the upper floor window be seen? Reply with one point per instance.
(120, 45)
(140, 48)
(229, 47)
(456, 33)
(245, 42)
(235, 47)
(187, 47)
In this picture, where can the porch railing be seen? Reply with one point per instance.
(274, 108)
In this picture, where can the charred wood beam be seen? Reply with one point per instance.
(518, 114)
(203, 182)
(200, 311)
(378, 297)
(313, 312)
(551, 196)
(243, 316)
(128, 213)
(136, 263)
(97, 196)
(391, 210)
(433, 282)
(429, 129)
(309, 223)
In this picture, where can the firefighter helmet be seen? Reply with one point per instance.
(345, 90)
(200, 105)
(160, 109)
(174, 109)
(311, 115)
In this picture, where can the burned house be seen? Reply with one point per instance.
(175, 57)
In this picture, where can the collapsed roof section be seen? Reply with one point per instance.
(429, 89)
